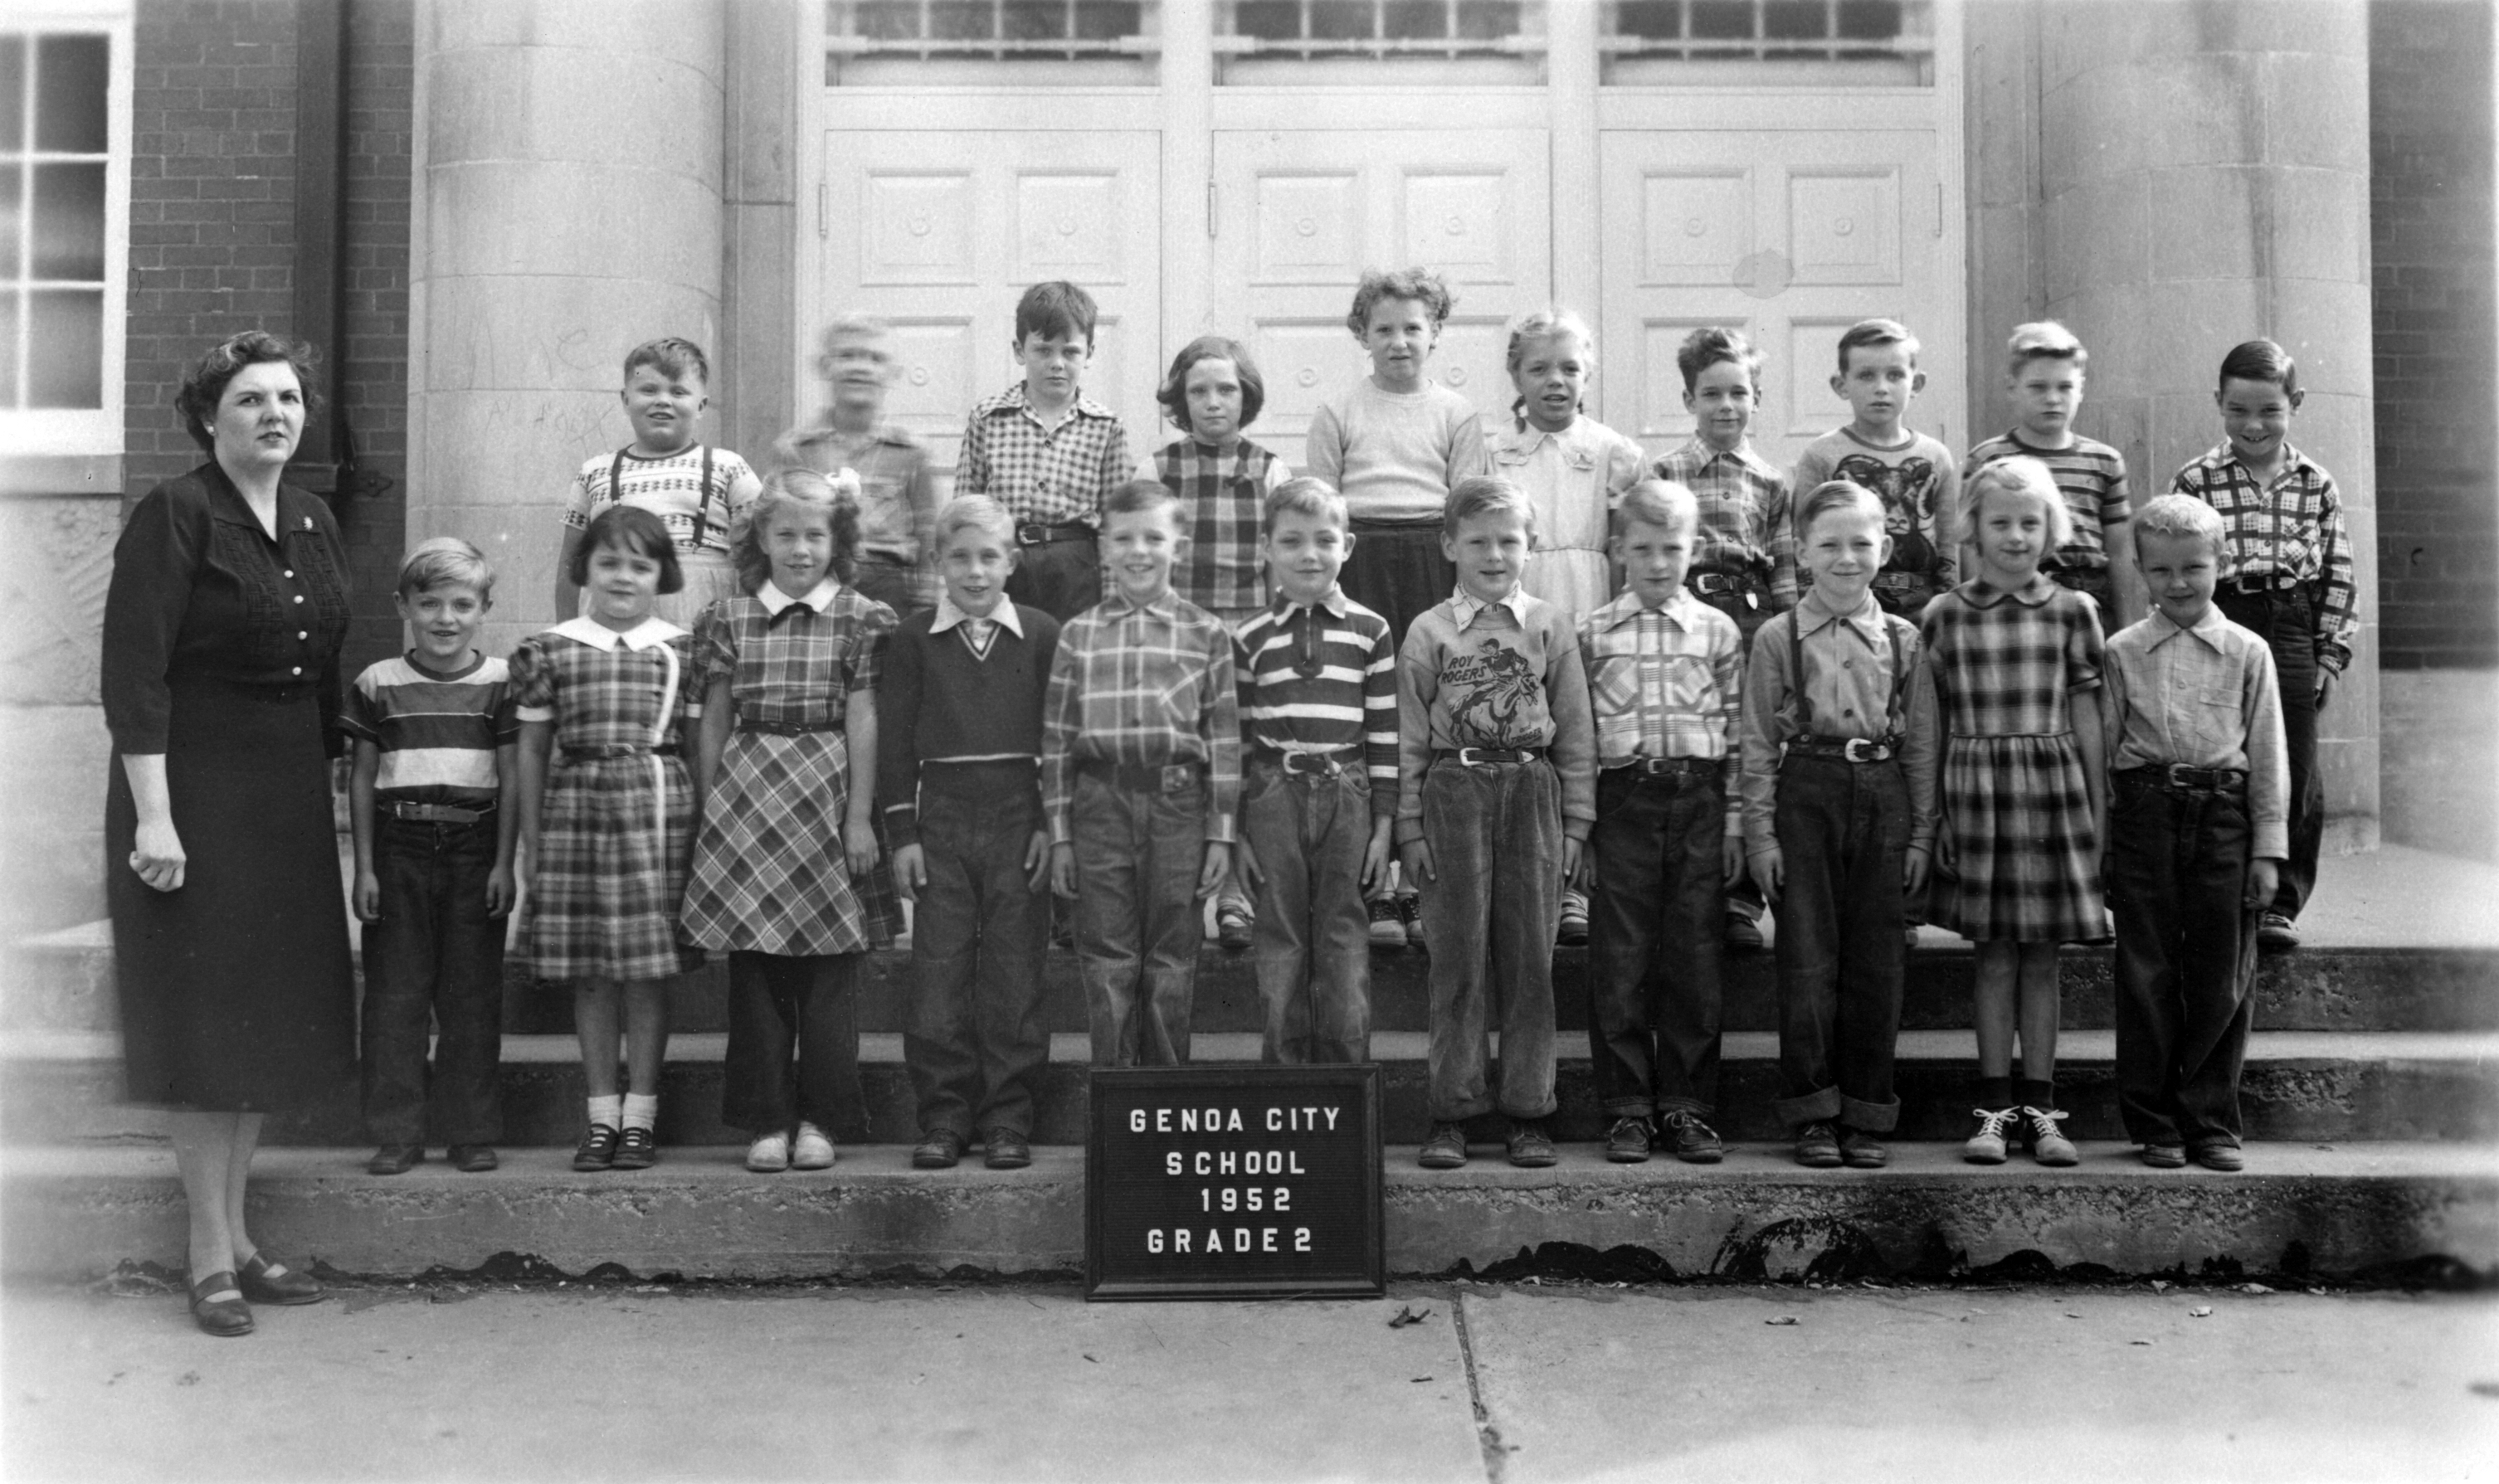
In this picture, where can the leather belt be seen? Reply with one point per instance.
(786, 728)
(1486, 756)
(1046, 533)
(1304, 764)
(1670, 767)
(436, 813)
(1847, 748)
(2180, 777)
(1170, 777)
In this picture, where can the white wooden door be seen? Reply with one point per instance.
(1790, 235)
(939, 232)
(1298, 214)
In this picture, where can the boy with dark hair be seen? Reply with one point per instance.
(1911, 473)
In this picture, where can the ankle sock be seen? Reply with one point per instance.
(2035, 1094)
(641, 1111)
(608, 1110)
(1994, 1092)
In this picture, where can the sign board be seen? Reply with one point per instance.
(1234, 1182)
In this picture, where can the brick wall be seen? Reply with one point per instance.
(2437, 336)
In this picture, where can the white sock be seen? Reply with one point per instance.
(641, 1111)
(606, 1110)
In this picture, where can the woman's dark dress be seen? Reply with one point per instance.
(221, 652)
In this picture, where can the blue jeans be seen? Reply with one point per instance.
(1312, 938)
(975, 1042)
(2186, 959)
(1654, 898)
(435, 955)
(2284, 620)
(1843, 833)
(1490, 906)
(1137, 854)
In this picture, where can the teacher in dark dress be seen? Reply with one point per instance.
(221, 635)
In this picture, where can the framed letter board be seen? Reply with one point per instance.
(1234, 1182)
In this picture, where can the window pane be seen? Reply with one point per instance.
(1272, 19)
(1795, 19)
(1721, 20)
(68, 222)
(1343, 20)
(8, 347)
(70, 78)
(65, 348)
(1108, 20)
(1414, 19)
(12, 224)
(1869, 20)
(1033, 19)
(1488, 21)
(13, 92)
(963, 20)
(887, 20)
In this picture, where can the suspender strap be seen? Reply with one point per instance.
(703, 492)
(1796, 668)
(1893, 707)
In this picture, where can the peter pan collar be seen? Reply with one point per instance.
(819, 597)
(650, 633)
(1979, 593)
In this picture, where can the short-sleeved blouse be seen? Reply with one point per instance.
(798, 666)
(2004, 662)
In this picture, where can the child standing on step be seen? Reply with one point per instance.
(695, 489)
(897, 494)
(785, 874)
(2016, 661)
(1211, 393)
(2198, 827)
(1839, 819)
(2046, 380)
(607, 703)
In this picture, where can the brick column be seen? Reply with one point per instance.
(568, 206)
(2203, 175)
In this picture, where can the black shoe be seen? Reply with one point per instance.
(1232, 928)
(1742, 934)
(471, 1158)
(1695, 1143)
(940, 1149)
(267, 1283)
(637, 1150)
(1817, 1148)
(597, 1150)
(1627, 1141)
(395, 1159)
(1530, 1147)
(1387, 923)
(1862, 1150)
(1445, 1150)
(222, 1316)
(1007, 1150)
(2276, 933)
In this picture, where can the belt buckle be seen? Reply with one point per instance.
(1031, 533)
(1864, 749)
(1473, 758)
(1309, 766)
(1712, 584)
(1177, 776)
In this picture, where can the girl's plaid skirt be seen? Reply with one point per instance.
(2025, 860)
(604, 904)
(769, 875)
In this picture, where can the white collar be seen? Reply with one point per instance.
(1333, 600)
(1467, 605)
(649, 633)
(2208, 628)
(949, 615)
(819, 597)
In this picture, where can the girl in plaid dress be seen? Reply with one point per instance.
(2016, 661)
(786, 879)
(607, 817)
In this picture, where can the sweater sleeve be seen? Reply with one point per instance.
(1766, 695)
(1323, 448)
(1574, 726)
(154, 563)
(897, 724)
(1419, 681)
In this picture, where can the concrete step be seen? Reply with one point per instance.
(60, 1086)
(2298, 1210)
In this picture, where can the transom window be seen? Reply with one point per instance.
(64, 204)
(1327, 41)
(1769, 41)
(921, 42)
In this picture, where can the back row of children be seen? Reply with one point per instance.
(1517, 720)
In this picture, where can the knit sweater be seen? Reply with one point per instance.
(937, 699)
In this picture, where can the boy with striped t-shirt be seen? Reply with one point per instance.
(1318, 722)
(2046, 380)
(433, 795)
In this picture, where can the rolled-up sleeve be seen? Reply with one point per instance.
(154, 564)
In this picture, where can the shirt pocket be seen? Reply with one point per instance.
(2216, 722)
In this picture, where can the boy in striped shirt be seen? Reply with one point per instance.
(1318, 719)
(434, 798)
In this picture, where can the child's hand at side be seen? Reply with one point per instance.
(1914, 878)
(369, 897)
(1731, 858)
(910, 871)
(500, 893)
(1570, 849)
(1218, 866)
(858, 847)
(1245, 868)
(1063, 870)
(1417, 857)
(1769, 873)
(2264, 879)
(1037, 860)
(1375, 859)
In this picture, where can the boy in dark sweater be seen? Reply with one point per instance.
(958, 788)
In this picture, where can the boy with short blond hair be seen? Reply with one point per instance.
(1911, 473)
(895, 561)
(2044, 373)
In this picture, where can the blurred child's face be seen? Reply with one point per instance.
(2180, 573)
(1211, 393)
(1844, 548)
(1654, 559)
(2257, 414)
(1491, 550)
(2047, 391)
(859, 367)
(1142, 545)
(663, 406)
(2011, 529)
(799, 542)
(1399, 335)
(975, 564)
(1720, 401)
(1304, 551)
(623, 582)
(1551, 375)
(445, 619)
(1052, 364)
(1878, 384)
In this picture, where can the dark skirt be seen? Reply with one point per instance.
(237, 991)
(1396, 570)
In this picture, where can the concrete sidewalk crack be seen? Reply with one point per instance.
(1496, 1453)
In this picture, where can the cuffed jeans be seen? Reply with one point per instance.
(436, 955)
(1653, 903)
(2186, 959)
(1843, 833)
(1490, 908)
(1138, 854)
(974, 1039)
(2284, 620)
(1312, 938)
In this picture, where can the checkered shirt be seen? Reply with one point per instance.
(1320, 679)
(2089, 473)
(794, 661)
(1664, 681)
(2202, 697)
(1051, 474)
(1224, 493)
(2292, 528)
(2004, 662)
(1747, 515)
(1142, 686)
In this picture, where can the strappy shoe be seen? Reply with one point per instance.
(217, 1307)
(268, 1282)
(597, 1150)
(637, 1150)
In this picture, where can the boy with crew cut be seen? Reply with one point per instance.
(1318, 717)
(1141, 777)
(1049, 453)
(1911, 473)
(1496, 792)
(2045, 377)
(2200, 823)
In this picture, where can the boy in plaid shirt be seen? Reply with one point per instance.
(1049, 453)
(1141, 773)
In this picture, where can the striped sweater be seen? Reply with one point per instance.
(1322, 678)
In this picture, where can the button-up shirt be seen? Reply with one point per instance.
(1664, 681)
(898, 504)
(2290, 528)
(1320, 679)
(1747, 517)
(1222, 500)
(2203, 696)
(1501, 674)
(1040, 471)
(1851, 662)
(1141, 684)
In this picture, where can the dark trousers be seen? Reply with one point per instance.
(2186, 959)
(793, 1044)
(435, 955)
(1138, 854)
(1397, 571)
(974, 1039)
(1312, 938)
(1843, 833)
(1653, 905)
(2287, 625)
(1061, 578)
(2095, 583)
(896, 584)
(1743, 897)
(1489, 910)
